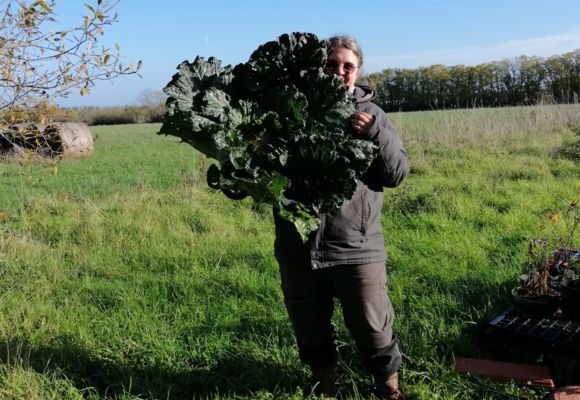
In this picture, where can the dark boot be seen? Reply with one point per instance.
(388, 387)
(325, 381)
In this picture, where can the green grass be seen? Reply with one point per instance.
(124, 277)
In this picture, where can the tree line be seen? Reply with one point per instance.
(520, 81)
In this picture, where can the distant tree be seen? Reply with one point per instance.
(510, 82)
(503, 82)
(460, 92)
(554, 81)
(436, 77)
(153, 102)
(379, 82)
(570, 76)
(152, 98)
(532, 75)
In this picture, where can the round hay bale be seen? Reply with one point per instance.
(76, 139)
(53, 140)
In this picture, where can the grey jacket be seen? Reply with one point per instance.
(353, 234)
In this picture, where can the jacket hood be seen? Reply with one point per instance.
(363, 93)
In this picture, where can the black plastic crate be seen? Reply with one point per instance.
(559, 335)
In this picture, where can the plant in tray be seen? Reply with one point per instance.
(535, 294)
(569, 265)
(551, 270)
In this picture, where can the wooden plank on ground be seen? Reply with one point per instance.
(502, 371)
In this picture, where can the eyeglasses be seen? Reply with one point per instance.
(348, 68)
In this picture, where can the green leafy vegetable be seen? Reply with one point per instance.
(277, 125)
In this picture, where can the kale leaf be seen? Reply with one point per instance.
(277, 125)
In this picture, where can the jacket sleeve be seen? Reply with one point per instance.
(391, 165)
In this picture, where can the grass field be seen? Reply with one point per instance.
(122, 276)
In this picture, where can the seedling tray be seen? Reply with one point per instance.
(559, 335)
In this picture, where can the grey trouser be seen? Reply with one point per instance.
(368, 313)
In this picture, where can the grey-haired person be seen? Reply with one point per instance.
(345, 258)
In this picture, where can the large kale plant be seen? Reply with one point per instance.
(277, 125)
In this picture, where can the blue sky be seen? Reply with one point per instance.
(392, 33)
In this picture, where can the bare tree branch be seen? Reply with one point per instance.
(40, 60)
(37, 62)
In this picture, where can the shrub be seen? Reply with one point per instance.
(115, 115)
(571, 150)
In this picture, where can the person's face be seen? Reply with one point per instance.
(343, 62)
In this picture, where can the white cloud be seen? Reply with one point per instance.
(542, 47)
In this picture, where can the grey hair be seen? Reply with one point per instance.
(347, 42)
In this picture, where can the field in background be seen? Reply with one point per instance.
(123, 276)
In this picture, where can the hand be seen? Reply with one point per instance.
(361, 122)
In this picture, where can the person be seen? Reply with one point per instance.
(345, 258)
